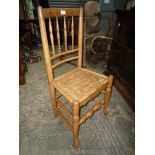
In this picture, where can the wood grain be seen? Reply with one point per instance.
(56, 12)
(80, 37)
(58, 34)
(51, 36)
(72, 31)
(65, 34)
(89, 113)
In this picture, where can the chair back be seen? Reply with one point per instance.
(49, 21)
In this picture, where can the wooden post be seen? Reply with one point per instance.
(51, 36)
(72, 29)
(47, 58)
(58, 34)
(65, 34)
(80, 38)
(107, 94)
(75, 124)
(84, 44)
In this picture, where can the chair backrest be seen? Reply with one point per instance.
(54, 14)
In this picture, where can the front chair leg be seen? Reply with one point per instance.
(107, 94)
(75, 124)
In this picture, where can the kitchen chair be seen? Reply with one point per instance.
(79, 85)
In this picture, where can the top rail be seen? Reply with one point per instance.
(52, 12)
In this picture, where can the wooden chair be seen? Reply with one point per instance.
(79, 85)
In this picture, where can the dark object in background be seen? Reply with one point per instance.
(22, 65)
(122, 57)
(100, 46)
(98, 53)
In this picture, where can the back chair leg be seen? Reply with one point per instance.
(54, 107)
(75, 125)
(54, 104)
(107, 94)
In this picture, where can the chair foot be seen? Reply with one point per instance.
(105, 111)
(76, 143)
(105, 108)
(54, 108)
(55, 113)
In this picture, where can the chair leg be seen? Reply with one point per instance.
(54, 107)
(107, 94)
(54, 104)
(75, 125)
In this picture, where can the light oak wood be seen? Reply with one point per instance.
(63, 61)
(78, 86)
(76, 110)
(51, 36)
(47, 58)
(64, 53)
(65, 120)
(65, 34)
(72, 30)
(80, 37)
(89, 113)
(58, 34)
(107, 94)
(57, 12)
(61, 106)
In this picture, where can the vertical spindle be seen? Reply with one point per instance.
(65, 34)
(51, 36)
(58, 33)
(72, 27)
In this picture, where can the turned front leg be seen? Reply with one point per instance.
(75, 124)
(107, 94)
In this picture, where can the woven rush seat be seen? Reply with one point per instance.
(79, 84)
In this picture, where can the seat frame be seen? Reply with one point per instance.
(45, 13)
